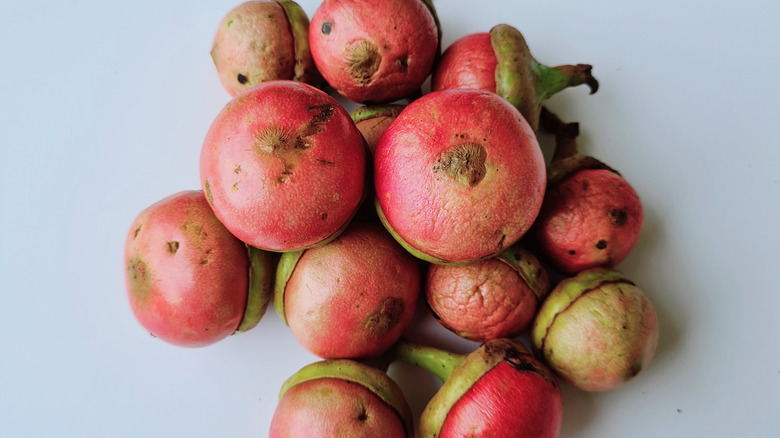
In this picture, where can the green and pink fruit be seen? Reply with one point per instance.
(493, 298)
(373, 121)
(283, 166)
(497, 391)
(459, 176)
(341, 398)
(351, 298)
(190, 282)
(596, 330)
(260, 41)
(374, 51)
(501, 62)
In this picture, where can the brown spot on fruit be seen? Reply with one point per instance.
(173, 246)
(237, 170)
(618, 217)
(464, 163)
(137, 230)
(326, 28)
(242, 79)
(402, 63)
(139, 277)
(633, 371)
(362, 61)
(572, 252)
(324, 216)
(601, 244)
(385, 318)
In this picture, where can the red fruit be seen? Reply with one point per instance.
(468, 63)
(374, 51)
(591, 218)
(350, 298)
(459, 176)
(187, 276)
(283, 166)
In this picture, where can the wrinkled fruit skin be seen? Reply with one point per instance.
(597, 335)
(469, 62)
(480, 301)
(187, 276)
(592, 218)
(459, 176)
(353, 297)
(283, 166)
(253, 44)
(374, 51)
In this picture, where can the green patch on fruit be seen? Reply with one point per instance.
(207, 188)
(140, 278)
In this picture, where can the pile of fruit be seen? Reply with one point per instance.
(343, 221)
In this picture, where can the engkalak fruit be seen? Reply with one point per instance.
(351, 298)
(283, 166)
(501, 62)
(260, 41)
(459, 176)
(189, 281)
(497, 391)
(375, 52)
(493, 298)
(341, 398)
(596, 330)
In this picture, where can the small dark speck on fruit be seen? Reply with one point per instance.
(572, 252)
(327, 27)
(601, 244)
(324, 216)
(242, 79)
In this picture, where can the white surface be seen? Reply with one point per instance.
(103, 107)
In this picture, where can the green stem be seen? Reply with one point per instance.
(438, 362)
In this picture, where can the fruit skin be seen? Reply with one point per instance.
(259, 41)
(283, 166)
(186, 275)
(596, 330)
(341, 398)
(590, 218)
(372, 121)
(374, 51)
(468, 63)
(493, 298)
(459, 176)
(351, 298)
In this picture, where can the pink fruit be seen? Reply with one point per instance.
(459, 176)
(596, 330)
(260, 41)
(493, 298)
(187, 276)
(283, 166)
(374, 51)
(351, 298)
(469, 62)
(341, 398)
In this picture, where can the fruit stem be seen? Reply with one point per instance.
(565, 134)
(438, 362)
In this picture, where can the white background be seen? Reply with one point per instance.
(103, 108)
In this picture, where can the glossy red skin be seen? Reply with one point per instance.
(192, 292)
(507, 402)
(399, 29)
(433, 213)
(329, 407)
(469, 62)
(254, 40)
(575, 216)
(480, 301)
(248, 188)
(334, 289)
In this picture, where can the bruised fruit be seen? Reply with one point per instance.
(501, 62)
(187, 276)
(596, 330)
(341, 398)
(351, 298)
(261, 41)
(459, 176)
(283, 166)
(374, 51)
(497, 391)
(493, 298)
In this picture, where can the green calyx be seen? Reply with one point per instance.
(284, 270)
(369, 112)
(525, 82)
(261, 281)
(529, 268)
(565, 294)
(303, 69)
(370, 378)
(458, 372)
